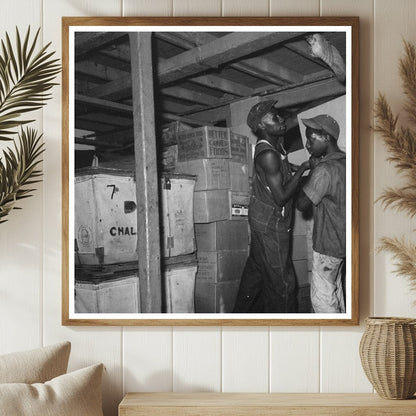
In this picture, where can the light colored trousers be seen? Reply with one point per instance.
(326, 284)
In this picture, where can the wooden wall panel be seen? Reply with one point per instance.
(197, 8)
(147, 359)
(196, 359)
(294, 8)
(245, 359)
(294, 351)
(294, 359)
(147, 8)
(89, 344)
(339, 348)
(249, 359)
(245, 8)
(21, 237)
(394, 21)
(341, 369)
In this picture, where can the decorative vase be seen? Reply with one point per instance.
(388, 356)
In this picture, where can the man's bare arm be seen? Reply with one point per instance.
(303, 203)
(270, 162)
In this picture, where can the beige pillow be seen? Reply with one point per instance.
(35, 366)
(73, 394)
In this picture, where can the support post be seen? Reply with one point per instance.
(148, 245)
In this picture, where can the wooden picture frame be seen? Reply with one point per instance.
(98, 54)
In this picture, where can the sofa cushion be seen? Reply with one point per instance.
(73, 394)
(35, 366)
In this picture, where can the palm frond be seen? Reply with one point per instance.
(407, 67)
(401, 142)
(25, 79)
(401, 199)
(404, 254)
(19, 169)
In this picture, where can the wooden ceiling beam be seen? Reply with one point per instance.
(218, 52)
(187, 120)
(107, 119)
(301, 47)
(189, 40)
(222, 84)
(269, 70)
(173, 107)
(113, 61)
(114, 90)
(308, 92)
(87, 42)
(105, 104)
(91, 125)
(98, 70)
(259, 67)
(213, 115)
(189, 95)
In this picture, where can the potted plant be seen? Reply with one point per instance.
(388, 345)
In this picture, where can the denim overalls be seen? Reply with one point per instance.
(268, 283)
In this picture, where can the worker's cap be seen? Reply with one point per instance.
(323, 122)
(258, 111)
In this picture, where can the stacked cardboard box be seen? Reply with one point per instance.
(239, 174)
(205, 152)
(301, 257)
(219, 159)
(222, 249)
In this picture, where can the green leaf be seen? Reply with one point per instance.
(25, 78)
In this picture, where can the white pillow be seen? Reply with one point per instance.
(73, 394)
(35, 366)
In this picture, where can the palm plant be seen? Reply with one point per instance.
(26, 78)
(401, 143)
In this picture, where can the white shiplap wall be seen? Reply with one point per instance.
(245, 359)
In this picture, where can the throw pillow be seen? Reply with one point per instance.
(73, 394)
(35, 366)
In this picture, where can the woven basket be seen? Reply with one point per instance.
(388, 356)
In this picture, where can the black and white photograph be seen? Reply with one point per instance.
(210, 171)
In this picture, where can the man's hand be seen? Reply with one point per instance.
(305, 166)
(313, 161)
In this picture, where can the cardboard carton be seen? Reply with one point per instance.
(210, 173)
(215, 297)
(204, 142)
(212, 205)
(220, 266)
(222, 235)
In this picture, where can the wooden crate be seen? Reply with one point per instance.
(106, 216)
(179, 284)
(118, 295)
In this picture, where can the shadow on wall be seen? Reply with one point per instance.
(161, 381)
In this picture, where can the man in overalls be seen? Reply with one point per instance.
(268, 283)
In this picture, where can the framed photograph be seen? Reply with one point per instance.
(210, 171)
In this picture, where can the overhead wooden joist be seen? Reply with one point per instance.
(301, 48)
(86, 42)
(218, 83)
(287, 96)
(105, 104)
(218, 52)
(189, 95)
(259, 67)
(191, 121)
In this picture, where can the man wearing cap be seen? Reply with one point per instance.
(268, 283)
(325, 191)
